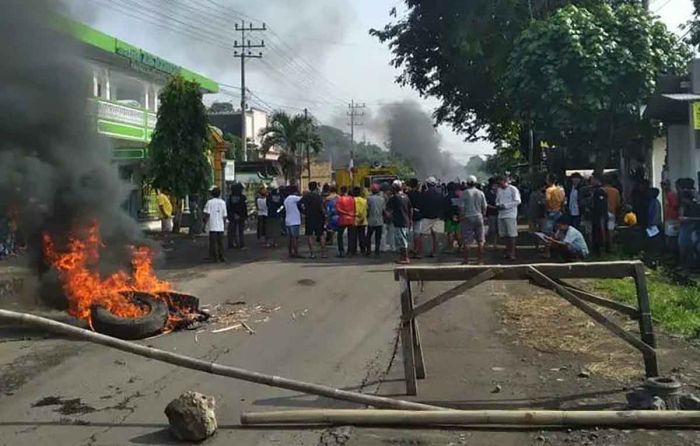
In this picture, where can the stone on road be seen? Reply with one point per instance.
(192, 416)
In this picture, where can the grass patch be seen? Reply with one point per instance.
(676, 306)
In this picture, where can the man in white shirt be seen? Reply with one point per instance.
(215, 220)
(507, 202)
(292, 220)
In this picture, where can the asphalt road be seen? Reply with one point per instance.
(336, 325)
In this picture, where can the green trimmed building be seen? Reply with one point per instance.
(126, 82)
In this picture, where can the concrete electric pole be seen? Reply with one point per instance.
(354, 113)
(245, 53)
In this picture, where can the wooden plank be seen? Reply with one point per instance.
(646, 325)
(581, 270)
(418, 349)
(409, 360)
(629, 310)
(417, 345)
(454, 292)
(547, 282)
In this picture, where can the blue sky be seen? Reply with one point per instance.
(335, 59)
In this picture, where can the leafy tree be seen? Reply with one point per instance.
(506, 159)
(693, 26)
(179, 149)
(457, 51)
(579, 75)
(289, 134)
(235, 151)
(221, 107)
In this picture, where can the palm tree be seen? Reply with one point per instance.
(289, 134)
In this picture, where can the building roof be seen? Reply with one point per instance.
(139, 58)
(669, 103)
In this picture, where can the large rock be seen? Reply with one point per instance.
(191, 416)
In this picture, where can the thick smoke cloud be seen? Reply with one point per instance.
(55, 172)
(410, 133)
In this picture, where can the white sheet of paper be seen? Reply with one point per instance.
(652, 231)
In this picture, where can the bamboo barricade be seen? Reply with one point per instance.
(209, 367)
(369, 417)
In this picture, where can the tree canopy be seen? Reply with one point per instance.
(478, 58)
(179, 149)
(579, 76)
(220, 107)
(290, 134)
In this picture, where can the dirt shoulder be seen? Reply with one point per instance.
(514, 345)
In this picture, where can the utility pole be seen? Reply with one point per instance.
(308, 154)
(353, 114)
(245, 53)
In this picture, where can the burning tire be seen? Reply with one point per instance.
(132, 328)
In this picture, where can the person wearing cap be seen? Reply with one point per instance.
(472, 208)
(567, 242)
(375, 219)
(237, 210)
(433, 210)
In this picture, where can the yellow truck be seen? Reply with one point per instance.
(364, 176)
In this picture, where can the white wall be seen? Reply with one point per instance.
(256, 120)
(681, 159)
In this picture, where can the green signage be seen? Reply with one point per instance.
(140, 58)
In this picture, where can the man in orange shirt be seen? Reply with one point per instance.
(614, 203)
(553, 202)
(345, 206)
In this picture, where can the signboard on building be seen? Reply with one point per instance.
(229, 170)
(144, 61)
(696, 115)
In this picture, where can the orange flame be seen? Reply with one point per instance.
(84, 286)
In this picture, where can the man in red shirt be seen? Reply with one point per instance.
(671, 216)
(345, 206)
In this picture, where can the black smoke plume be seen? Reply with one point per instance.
(410, 134)
(55, 171)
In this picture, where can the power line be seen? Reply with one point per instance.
(354, 113)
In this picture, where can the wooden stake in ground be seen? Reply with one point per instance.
(368, 417)
(209, 367)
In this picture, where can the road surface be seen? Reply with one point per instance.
(335, 325)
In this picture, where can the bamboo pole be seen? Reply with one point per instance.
(369, 417)
(209, 367)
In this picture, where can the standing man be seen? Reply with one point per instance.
(554, 202)
(215, 221)
(492, 212)
(671, 216)
(237, 209)
(400, 211)
(614, 204)
(574, 200)
(360, 221)
(415, 197)
(536, 211)
(345, 207)
(292, 221)
(165, 210)
(599, 215)
(472, 210)
(507, 202)
(452, 227)
(273, 225)
(375, 219)
(433, 209)
(312, 206)
(261, 206)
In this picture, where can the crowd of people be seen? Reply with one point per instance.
(566, 217)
